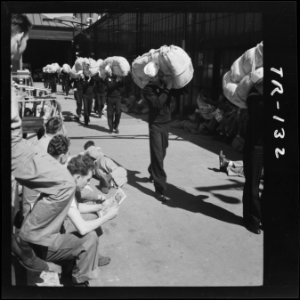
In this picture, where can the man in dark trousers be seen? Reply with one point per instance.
(114, 86)
(100, 94)
(253, 160)
(78, 95)
(88, 95)
(66, 82)
(157, 95)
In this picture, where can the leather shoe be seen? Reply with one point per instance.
(163, 198)
(81, 284)
(253, 228)
(103, 260)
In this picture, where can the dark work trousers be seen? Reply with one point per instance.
(78, 95)
(158, 138)
(53, 85)
(99, 103)
(113, 112)
(253, 163)
(66, 86)
(87, 106)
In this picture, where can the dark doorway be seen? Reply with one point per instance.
(39, 53)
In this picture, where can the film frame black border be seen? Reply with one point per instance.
(281, 237)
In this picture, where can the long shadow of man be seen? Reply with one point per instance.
(182, 199)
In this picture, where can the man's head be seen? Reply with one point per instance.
(54, 125)
(20, 26)
(82, 168)
(88, 144)
(59, 148)
(93, 151)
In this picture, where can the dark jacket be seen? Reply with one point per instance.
(100, 86)
(88, 86)
(159, 101)
(255, 103)
(78, 84)
(114, 87)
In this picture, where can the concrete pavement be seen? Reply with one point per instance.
(195, 240)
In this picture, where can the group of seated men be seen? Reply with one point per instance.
(77, 238)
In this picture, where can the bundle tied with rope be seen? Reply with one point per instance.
(172, 61)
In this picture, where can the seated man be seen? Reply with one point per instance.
(106, 170)
(53, 126)
(59, 247)
(79, 215)
(232, 168)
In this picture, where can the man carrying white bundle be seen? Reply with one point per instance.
(157, 95)
(243, 86)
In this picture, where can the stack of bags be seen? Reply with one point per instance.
(244, 73)
(89, 67)
(85, 67)
(172, 61)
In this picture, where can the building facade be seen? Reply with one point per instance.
(213, 40)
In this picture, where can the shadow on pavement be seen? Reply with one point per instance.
(227, 199)
(184, 200)
(95, 127)
(208, 142)
(133, 180)
(68, 116)
(115, 136)
(234, 185)
(197, 204)
(215, 170)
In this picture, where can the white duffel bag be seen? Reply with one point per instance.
(56, 67)
(244, 72)
(76, 74)
(251, 59)
(137, 68)
(237, 93)
(171, 61)
(115, 65)
(175, 61)
(66, 68)
(100, 69)
(79, 63)
(90, 67)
